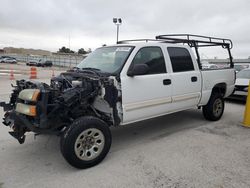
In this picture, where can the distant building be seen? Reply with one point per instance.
(23, 51)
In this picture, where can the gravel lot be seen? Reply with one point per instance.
(174, 151)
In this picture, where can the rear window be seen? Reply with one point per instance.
(180, 59)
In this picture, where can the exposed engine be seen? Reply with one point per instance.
(70, 95)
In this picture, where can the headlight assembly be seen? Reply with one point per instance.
(29, 95)
(29, 110)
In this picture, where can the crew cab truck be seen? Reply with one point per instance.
(118, 85)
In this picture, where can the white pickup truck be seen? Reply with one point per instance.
(117, 85)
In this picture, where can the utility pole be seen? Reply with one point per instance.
(69, 40)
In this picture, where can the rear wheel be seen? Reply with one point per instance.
(214, 108)
(86, 142)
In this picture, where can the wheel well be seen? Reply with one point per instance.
(220, 88)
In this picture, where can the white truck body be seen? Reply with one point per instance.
(145, 96)
(117, 85)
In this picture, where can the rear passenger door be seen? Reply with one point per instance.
(186, 78)
(148, 95)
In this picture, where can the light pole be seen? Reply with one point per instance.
(117, 22)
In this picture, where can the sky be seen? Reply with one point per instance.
(51, 24)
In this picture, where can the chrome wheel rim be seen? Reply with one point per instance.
(89, 144)
(217, 107)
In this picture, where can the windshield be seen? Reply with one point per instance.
(244, 74)
(106, 59)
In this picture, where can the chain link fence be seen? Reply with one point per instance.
(62, 60)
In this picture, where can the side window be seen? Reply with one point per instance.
(180, 59)
(153, 57)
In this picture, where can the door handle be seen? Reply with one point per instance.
(166, 82)
(194, 79)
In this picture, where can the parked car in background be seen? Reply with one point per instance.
(44, 63)
(5, 56)
(239, 67)
(246, 66)
(241, 84)
(209, 66)
(8, 60)
(40, 63)
(32, 63)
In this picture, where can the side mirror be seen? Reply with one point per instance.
(138, 69)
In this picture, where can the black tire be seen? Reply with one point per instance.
(71, 137)
(214, 108)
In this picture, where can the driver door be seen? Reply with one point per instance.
(148, 95)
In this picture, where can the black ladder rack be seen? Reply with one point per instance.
(139, 40)
(201, 41)
(194, 41)
(198, 41)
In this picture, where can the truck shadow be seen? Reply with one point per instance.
(44, 151)
(236, 101)
(155, 129)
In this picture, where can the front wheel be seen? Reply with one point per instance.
(214, 108)
(86, 142)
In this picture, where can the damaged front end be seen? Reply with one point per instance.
(49, 108)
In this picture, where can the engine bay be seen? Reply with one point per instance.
(70, 95)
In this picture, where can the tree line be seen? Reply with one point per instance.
(69, 51)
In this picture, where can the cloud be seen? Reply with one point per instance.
(48, 24)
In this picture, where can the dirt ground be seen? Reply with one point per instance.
(174, 151)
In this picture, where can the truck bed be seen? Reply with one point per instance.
(210, 78)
